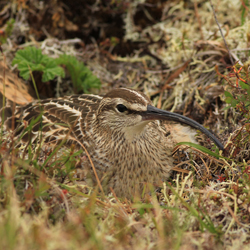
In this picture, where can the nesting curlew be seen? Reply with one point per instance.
(121, 132)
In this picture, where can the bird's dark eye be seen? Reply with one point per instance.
(121, 108)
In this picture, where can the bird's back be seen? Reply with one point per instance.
(57, 119)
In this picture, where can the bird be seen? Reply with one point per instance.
(122, 132)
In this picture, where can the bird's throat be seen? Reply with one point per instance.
(133, 132)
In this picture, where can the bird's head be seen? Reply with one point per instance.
(130, 111)
(123, 108)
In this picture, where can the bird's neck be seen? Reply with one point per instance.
(134, 132)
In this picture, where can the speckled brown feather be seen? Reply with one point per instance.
(126, 156)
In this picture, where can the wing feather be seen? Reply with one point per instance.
(57, 119)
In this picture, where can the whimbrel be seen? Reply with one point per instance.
(121, 131)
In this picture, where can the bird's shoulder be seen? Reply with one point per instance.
(60, 108)
(55, 116)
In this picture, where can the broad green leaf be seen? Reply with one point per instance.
(50, 73)
(32, 59)
(227, 94)
(82, 78)
(243, 85)
(234, 103)
(228, 100)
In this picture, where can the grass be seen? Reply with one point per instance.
(44, 206)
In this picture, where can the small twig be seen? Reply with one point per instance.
(198, 19)
(236, 58)
(229, 53)
(244, 5)
(233, 214)
(93, 167)
(34, 83)
(243, 49)
(4, 98)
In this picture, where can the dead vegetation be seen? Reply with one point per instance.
(173, 52)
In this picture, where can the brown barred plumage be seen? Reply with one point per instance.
(129, 147)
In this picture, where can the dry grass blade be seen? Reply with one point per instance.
(93, 167)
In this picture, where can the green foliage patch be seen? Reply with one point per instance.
(31, 59)
(81, 76)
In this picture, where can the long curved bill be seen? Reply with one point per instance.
(154, 113)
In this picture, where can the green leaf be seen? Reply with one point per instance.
(228, 100)
(227, 94)
(82, 78)
(29, 55)
(247, 103)
(201, 148)
(242, 98)
(227, 107)
(234, 103)
(8, 30)
(32, 59)
(243, 85)
(51, 71)
(24, 70)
